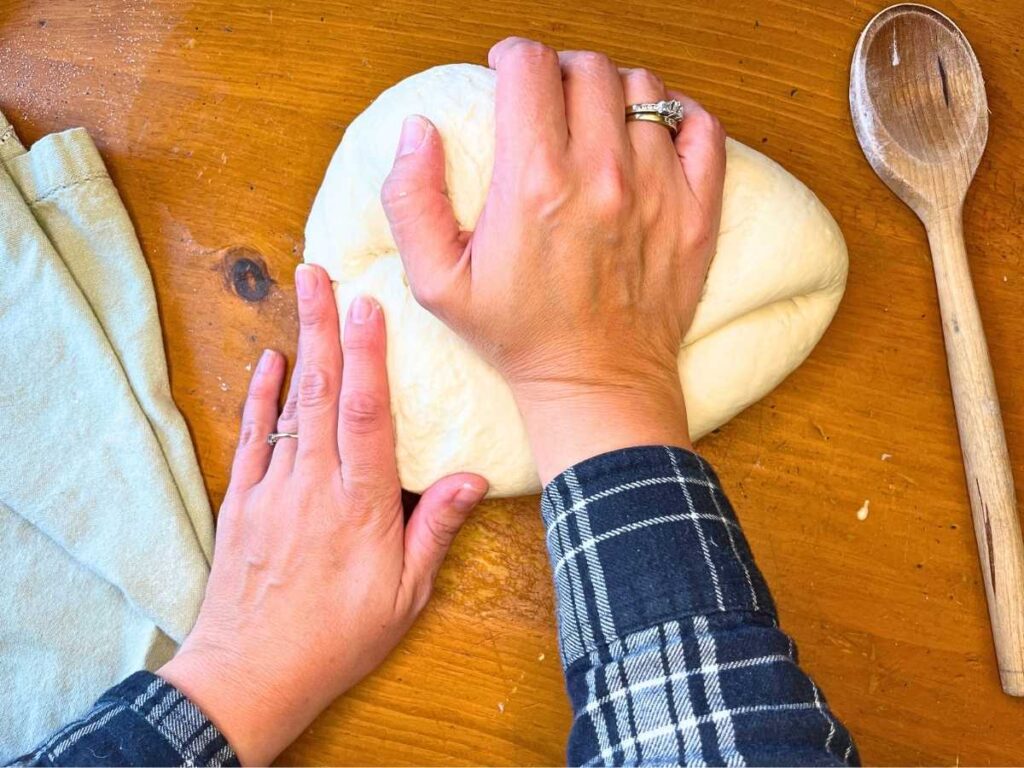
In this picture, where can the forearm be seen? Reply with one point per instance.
(668, 632)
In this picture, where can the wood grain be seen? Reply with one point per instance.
(921, 115)
(217, 120)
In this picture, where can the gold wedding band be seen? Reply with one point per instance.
(666, 113)
(650, 117)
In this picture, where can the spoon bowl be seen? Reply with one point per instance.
(918, 103)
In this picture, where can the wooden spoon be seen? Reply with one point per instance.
(919, 108)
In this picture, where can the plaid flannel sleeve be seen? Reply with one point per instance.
(668, 634)
(140, 721)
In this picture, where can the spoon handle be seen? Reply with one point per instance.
(986, 461)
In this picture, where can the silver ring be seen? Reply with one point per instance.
(667, 113)
(273, 437)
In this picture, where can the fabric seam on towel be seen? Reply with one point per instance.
(99, 176)
(87, 167)
(102, 332)
(54, 190)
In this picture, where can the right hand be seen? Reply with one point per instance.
(587, 262)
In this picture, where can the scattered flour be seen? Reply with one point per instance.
(862, 513)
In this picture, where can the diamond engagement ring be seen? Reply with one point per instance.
(666, 113)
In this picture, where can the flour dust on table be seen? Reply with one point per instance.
(774, 284)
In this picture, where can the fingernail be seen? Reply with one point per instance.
(468, 496)
(361, 309)
(305, 281)
(266, 360)
(414, 130)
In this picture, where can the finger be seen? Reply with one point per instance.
(415, 199)
(320, 378)
(283, 457)
(652, 143)
(443, 509)
(252, 457)
(595, 107)
(365, 431)
(529, 109)
(700, 146)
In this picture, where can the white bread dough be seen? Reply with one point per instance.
(773, 287)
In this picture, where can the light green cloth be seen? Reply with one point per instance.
(105, 529)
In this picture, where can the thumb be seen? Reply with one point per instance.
(433, 526)
(415, 199)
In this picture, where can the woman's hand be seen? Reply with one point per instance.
(585, 267)
(316, 575)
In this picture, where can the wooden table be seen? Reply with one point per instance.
(217, 120)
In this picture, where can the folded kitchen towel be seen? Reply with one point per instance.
(105, 528)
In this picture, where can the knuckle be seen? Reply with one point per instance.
(545, 187)
(612, 192)
(312, 318)
(363, 338)
(441, 531)
(645, 79)
(529, 53)
(262, 390)
(251, 434)
(593, 61)
(367, 500)
(707, 123)
(427, 294)
(288, 414)
(361, 412)
(362, 510)
(394, 191)
(316, 385)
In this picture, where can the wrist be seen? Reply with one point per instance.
(251, 717)
(568, 422)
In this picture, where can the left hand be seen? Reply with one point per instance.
(316, 576)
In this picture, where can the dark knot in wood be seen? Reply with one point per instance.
(246, 273)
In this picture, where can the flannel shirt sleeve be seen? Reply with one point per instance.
(668, 634)
(143, 720)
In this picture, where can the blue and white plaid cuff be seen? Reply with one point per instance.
(641, 536)
(667, 629)
(143, 720)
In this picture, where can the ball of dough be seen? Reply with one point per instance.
(773, 287)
